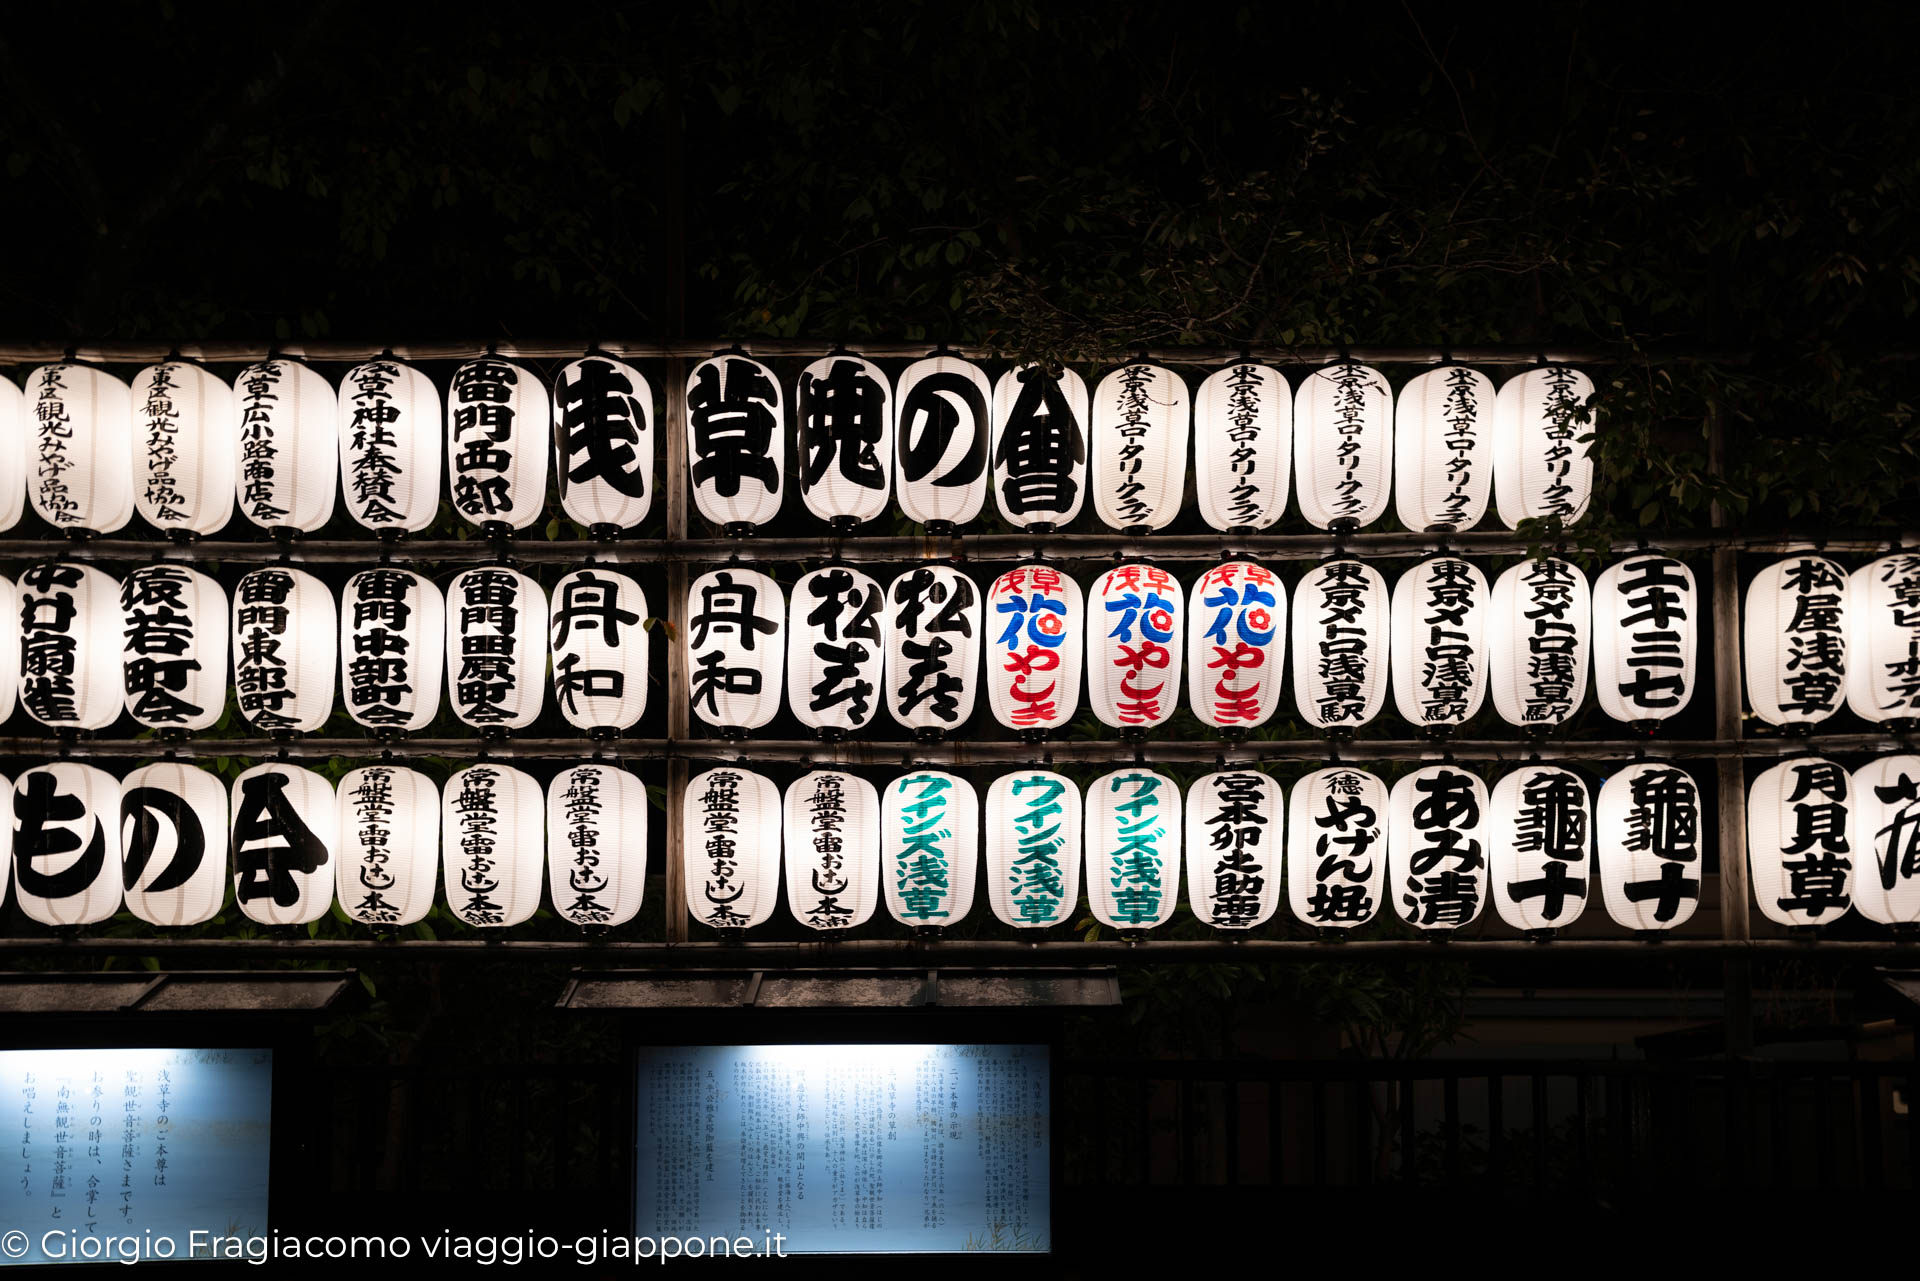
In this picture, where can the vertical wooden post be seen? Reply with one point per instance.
(1731, 780)
(677, 710)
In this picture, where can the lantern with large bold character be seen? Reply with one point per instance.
(70, 672)
(1799, 855)
(844, 413)
(173, 835)
(1039, 446)
(1647, 831)
(836, 650)
(1236, 644)
(833, 850)
(736, 648)
(1134, 644)
(599, 650)
(497, 448)
(1033, 848)
(66, 843)
(1540, 847)
(1795, 641)
(731, 832)
(1883, 833)
(940, 441)
(390, 447)
(174, 635)
(1644, 617)
(1436, 849)
(603, 439)
(1337, 847)
(933, 649)
(736, 441)
(286, 836)
(1035, 638)
(1242, 447)
(1236, 828)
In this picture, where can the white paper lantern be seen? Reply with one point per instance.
(1883, 639)
(174, 634)
(390, 447)
(81, 448)
(1141, 420)
(66, 844)
(1795, 640)
(392, 633)
(1541, 467)
(1884, 834)
(289, 455)
(286, 836)
(603, 438)
(1647, 833)
(1242, 447)
(1337, 847)
(1343, 446)
(69, 648)
(836, 650)
(730, 824)
(1443, 449)
(493, 829)
(389, 862)
(1644, 638)
(285, 638)
(173, 834)
(933, 649)
(833, 850)
(187, 447)
(496, 647)
(929, 848)
(16, 453)
(1440, 609)
(599, 650)
(9, 648)
(1437, 848)
(597, 845)
(1237, 641)
(497, 415)
(1039, 446)
(1540, 845)
(1236, 830)
(1135, 639)
(940, 441)
(1799, 857)
(736, 441)
(1035, 629)
(1033, 848)
(843, 410)
(1539, 631)
(6, 837)
(1133, 848)
(1341, 617)
(736, 648)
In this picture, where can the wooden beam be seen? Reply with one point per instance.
(677, 694)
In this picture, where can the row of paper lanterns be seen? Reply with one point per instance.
(167, 842)
(183, 448)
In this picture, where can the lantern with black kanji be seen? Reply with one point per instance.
(389, 863)
(730, 831)
(390, 447)
(1033, 848)
(66, 844)
(832, 844)
(186, 449)
(493, 831)
(286, 844)
(1242, 447)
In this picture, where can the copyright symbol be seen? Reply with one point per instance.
(14, 1244)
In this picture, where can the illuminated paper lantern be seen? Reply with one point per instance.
(1883, 832)
(730, 830)
(1795, 641)
(66, 844)
(390, 447)
(1341, 616)
(1647, 833)
(1541, 468)
(16, 455)
(1883, 639)
(497, 415)
(1141, 420)
(844, 421)
(289, 456)
(929, 848)
(597, 844)
(1337, 847)
(599, 650)
(833, 850)
(6, 837)
(285, 638)
(1237, 642)
(1039, 446)
(603, 437)
(940, 441)
(1799, 856)
(736, 648)
(1443, 449)
(81, 448)
(392, 632)
(1033, 848)
(496, 648)
(1540, 847)
(1437, 848)
(1343, 446)
(186, 448)
(736, 441)
(1242, 447)
(173, 835)
(389, 864)
(1135, 639)
(493, 829)
(9, 650)
(1539, 631)
(1645, 612)
(1236, 830)
(174, 634)
(836, 650)
(1439, 643)
(69, 656)
(286, 837)
(1133, 848)
(933, 649)
(1035, 648)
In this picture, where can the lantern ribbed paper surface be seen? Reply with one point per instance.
(1883, 834)
(1540, 846)
(599, 649)
(1035, 648)
(81, 448)
(496, 639)
(929, 848)
(1795, 640)
(390, 446)
(286, 837)
(393, 629)
(9, 648)
(1439, 645)
(1437, 847)
(1040, 424)
(1443, 449)
(1033, 848)
(70, 671)
(933, 649)
(736, 647)
(1236, 832)
(66, 844)
(289, 453)
(731, 832)
(1645, 616)
(1135, 638)
(1242, 447)
(603, 438)
(836, 649)
(1133, 848)
(1539, 631)
(1883, 639)
(173, 838)
(174, 636)
(843, 411)
(1141, 420)
(736, 440)
(1542, 469)
(1337, 847)
(1647, 837)
(17, 452)
(940, 440)
(493, 827)
(1236, 645)
(497, 414)
(1341, 618)
(1800, 859)
(833, 850)
(597, 845)
(186, 448)
(1343, 446)
(389, 864)
(6, 837)
(285, 639)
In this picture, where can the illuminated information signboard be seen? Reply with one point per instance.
(846, 1149)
